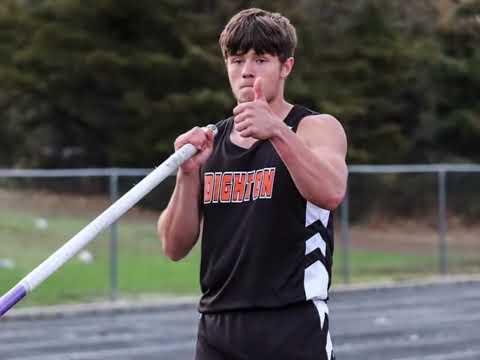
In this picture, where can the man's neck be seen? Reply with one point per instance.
(281, 107)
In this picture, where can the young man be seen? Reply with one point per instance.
(267, 184)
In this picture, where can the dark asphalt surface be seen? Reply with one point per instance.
(429, 322)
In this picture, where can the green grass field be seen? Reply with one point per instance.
(142, 268)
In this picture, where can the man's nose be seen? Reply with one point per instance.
(248, 70)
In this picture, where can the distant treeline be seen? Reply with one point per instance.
(113, 82)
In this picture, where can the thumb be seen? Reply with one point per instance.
(258, 89)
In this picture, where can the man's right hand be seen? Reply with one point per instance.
(202, 139)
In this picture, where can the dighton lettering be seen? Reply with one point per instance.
(238, 186)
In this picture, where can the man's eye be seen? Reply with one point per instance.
(236, 61)
(261, 61)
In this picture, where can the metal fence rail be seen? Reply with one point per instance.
(426, 168)
(69, 173)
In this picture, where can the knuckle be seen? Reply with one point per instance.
(178, 142)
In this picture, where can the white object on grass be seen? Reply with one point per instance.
(85, 257)
(8, 264)
(41, 223)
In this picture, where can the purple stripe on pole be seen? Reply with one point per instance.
(11, 298)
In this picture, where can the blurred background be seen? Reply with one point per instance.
(106, 86)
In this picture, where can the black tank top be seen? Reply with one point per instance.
(263, 245)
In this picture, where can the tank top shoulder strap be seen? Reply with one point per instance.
(224, 127)
(296, 115)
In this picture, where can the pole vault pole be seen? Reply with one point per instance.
(89, 232)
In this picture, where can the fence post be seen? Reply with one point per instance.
(442, 222)
(113, 240)
(345, 238)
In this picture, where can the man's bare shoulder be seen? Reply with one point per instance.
(320, 129)
(323, 121)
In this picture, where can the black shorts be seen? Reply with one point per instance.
(299, 332)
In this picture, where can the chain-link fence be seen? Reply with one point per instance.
(397, 222)
(401, 221)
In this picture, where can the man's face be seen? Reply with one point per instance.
(244, 69)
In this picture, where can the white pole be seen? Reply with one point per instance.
(89, 232)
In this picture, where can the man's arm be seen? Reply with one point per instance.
(315, 158)
(179, 225)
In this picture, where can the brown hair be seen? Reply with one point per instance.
(260, 30)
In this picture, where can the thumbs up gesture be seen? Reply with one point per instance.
(258, 90)
(255, 118)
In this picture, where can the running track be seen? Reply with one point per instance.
(439, 321)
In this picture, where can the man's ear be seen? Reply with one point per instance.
(287, 67)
